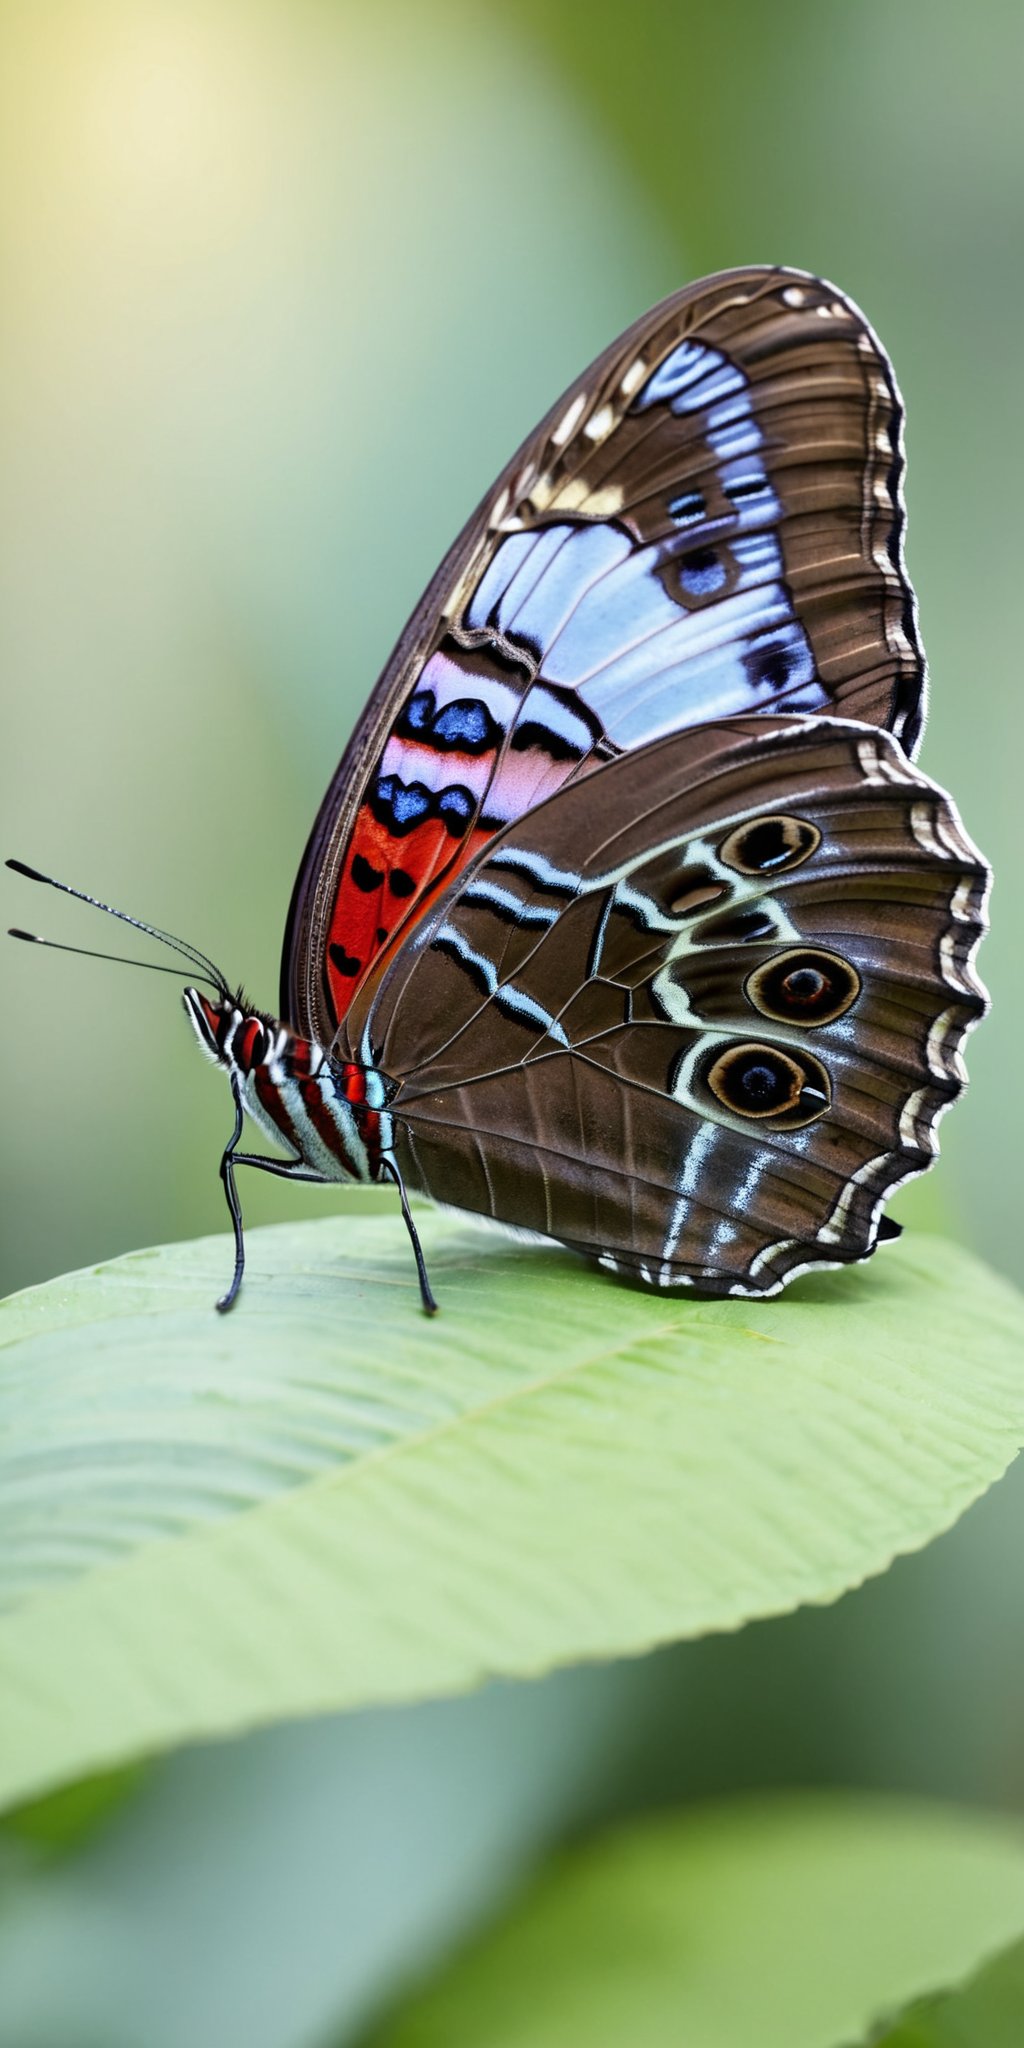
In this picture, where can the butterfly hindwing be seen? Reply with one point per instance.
(708, 524)
(701, 1029)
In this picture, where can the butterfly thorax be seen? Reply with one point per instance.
(330, 1114)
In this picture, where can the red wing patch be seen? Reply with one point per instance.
(469, 752)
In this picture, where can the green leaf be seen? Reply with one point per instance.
(328, 1500)
(791, 1923)
(65, 1818)
(304, 1870)
(987, 2013)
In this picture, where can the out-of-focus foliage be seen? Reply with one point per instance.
(785, 1924)
(987, 2013)
(304, 1871)
(228, 1524)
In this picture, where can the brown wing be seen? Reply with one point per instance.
(708, 523)
(699, 1021)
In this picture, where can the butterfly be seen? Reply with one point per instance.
(627, 919)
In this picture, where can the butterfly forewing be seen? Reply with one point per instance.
(709, 523)
(703, 1030)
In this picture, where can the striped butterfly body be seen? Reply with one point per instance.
(627, 918)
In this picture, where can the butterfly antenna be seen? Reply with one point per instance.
(200, 962)
(91, 953)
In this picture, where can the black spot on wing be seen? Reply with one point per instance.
(415, 720)
(463, 726)
(745, 490)
(365, 876)
(557, 723)
(687, 509)
(531, 734)
(345, 963)
(398, 805)
(455, 807)
(769, 668)
(466, 725)
(401, 806)
(702, 573)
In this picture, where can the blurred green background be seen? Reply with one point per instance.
(285, 281)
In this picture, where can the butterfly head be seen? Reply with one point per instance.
(326, 1111)
(230, 1032)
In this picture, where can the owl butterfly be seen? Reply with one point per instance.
(626, 918)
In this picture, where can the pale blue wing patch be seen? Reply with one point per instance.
(676, 631)
(536, 580)
(690, 379)
(645, 661)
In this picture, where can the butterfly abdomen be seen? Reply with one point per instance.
(329, 1114)
(325, 1113)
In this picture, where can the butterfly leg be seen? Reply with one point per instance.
(284, 1167)
(287, 1168)
(227, 1174)
(389, 1166)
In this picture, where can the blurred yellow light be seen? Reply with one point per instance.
(132, 110)
(164, 100)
